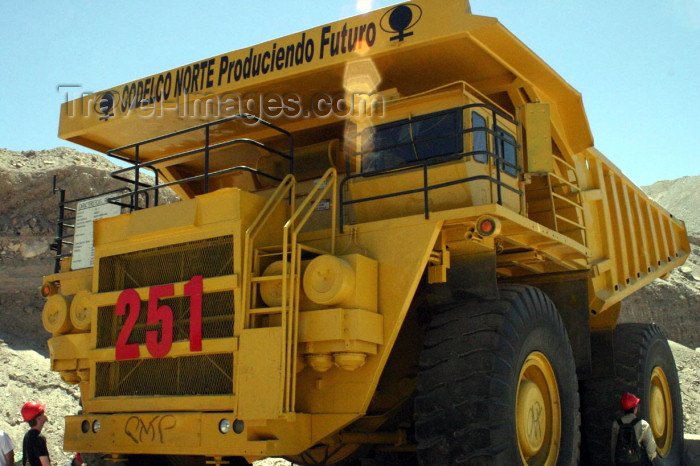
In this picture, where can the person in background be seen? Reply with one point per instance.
(34, 448)
(7, 450)
(645, 445)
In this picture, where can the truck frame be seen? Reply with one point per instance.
(394, 242)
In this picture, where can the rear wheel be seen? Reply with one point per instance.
(498, 384)
(644, 365)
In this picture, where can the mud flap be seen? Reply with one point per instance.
(474, 277)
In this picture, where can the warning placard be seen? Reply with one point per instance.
(87, 212)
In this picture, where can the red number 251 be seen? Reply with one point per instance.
(129, 304)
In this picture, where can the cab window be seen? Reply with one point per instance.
(479, 146)
(407, 141)
(506, 150)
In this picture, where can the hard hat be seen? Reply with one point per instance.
(32, 409)
(629, 401)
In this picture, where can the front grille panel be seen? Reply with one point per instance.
(217, 319)
(210, 257)
(210, 374)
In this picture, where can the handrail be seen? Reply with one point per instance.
(291, 268)
(294, 225)
(136, 164)
(313, 198)
(286, 187)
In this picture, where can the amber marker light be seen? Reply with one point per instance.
(48, 289)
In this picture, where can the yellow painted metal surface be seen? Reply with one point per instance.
(401, 258)
(340, 324)
(260, 374)
(537, 120)
(299, 367)
(56, 314)
(453, 45)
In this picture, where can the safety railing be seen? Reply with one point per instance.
(292, 228)
(290, 276)
(496, 139)
(138, 187)
(139, 190)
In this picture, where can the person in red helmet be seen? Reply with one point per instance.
(77, 460)
(34, 448)
(632, 440)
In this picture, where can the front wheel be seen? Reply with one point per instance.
(497, 384)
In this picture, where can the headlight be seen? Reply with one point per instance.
(224, 426)
(96, 426)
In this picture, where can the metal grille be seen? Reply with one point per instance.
(186, 376)
(210, 257)
(217, 320)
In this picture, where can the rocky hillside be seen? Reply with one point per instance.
(681, 197)
(28, 214)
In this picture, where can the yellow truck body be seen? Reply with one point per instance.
(338, 187)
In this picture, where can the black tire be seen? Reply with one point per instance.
(637, 349)
(470, 372)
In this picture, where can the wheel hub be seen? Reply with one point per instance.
(661, 411)
(532, 422)
(658, 411)
(538, 411)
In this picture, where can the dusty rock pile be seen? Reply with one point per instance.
(26, 375)
(28, 214)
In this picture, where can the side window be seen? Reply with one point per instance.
(505, 148)
(401, 142)
(438, 134)
(480, 146)
(386, 146)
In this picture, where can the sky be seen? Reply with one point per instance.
(636, 62)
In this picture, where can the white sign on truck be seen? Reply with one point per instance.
(87, 212)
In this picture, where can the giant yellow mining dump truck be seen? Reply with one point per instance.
(395, 242)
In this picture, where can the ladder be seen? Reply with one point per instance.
(289, 253)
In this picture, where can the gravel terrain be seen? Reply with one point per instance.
(27, 226)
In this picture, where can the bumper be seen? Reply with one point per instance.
(186, 434)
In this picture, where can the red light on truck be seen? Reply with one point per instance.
(488, 226)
